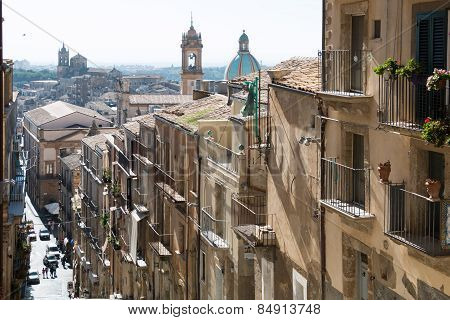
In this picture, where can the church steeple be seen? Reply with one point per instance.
(191, 61)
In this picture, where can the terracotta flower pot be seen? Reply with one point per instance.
(433, 188)
(384, 170)
(442, 83)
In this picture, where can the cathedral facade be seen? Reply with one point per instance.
(76, 66)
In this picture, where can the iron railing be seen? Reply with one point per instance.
(251, 220)
(212, 229)
(158, 241)
(344, 188)
(223, 157)
(343, 72)
(417, 221)
(123, 161)
(140, 200)
(169, 185)
(406, 102)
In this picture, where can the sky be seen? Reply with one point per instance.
(148, 32)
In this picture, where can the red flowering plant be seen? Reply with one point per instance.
(436, 132)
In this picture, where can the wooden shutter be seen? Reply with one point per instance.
(431, 52)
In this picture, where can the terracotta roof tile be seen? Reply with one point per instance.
(188, 114)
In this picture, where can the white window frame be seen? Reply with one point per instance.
(297, 277)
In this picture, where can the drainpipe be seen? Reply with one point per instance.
(187, 225)
(2, 104)
(198, 208)
(323, 260)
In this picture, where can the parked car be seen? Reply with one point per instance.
(44, 234)
(53, 249)
(31, 235)
(33, 277)
(50, 260)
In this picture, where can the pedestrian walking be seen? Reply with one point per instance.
(43, 273)
(54, 273)
(46, 272)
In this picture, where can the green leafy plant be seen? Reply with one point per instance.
(436, 132)
(107, 177)
(115, 189)
(104, 219)
(411, 68)
(390, 65)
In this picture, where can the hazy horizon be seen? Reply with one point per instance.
(139, 32)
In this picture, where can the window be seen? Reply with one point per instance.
(267, 279)
(49, 168)
(299, 286)
(202, 266)
(377, 29)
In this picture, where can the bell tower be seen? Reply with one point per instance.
(63, 62)
(191, 64)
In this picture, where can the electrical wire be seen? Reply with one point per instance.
(46, 32)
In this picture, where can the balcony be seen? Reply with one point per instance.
(171, 187)
(212, 230)
(159, 242)
(406, 102)
(124, 162)
(140, 201)
(343, 74)
(223, 157)
(251, 222)
(143, 154)
(346, 189)
(417, 221)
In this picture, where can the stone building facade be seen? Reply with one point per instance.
(389, 239)
(50, 131)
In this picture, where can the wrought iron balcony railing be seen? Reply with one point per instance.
(213, 230)
(417, 221)
(123, 161)
(343, 72)
(140, 200)
(169, 185)
(344, 189)
(158, 241)
(406, 102)
(251, 221)
(223, 157)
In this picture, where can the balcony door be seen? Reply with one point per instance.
(431, 52)
(359, 189)
(356, 52)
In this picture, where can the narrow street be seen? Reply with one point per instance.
(48, 289)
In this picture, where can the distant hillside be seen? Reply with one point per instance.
(21, 76)
(173, 73)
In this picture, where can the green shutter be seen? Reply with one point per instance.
(431, 52)
(431, 41)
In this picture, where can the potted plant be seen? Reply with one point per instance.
(107, 176)
(438, 79)
(104, 219)
(436, 132)
(390, 65)
(384, 170)
(115, 189)
(410, 70)
(433, 188)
